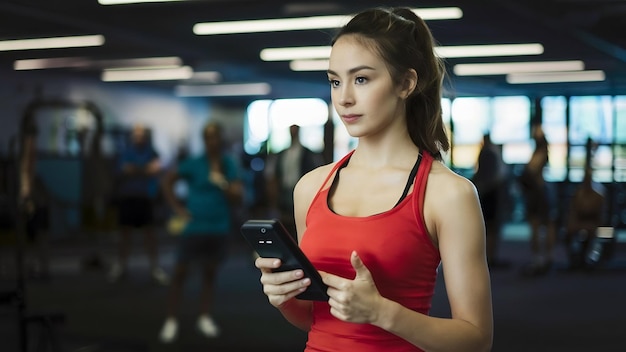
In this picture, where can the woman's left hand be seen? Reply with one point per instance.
(356, 300)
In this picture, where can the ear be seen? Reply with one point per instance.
(408, 84)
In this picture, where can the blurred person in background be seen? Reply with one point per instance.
(138, 173)
(289, 165)
(214, 188)
(33, 203)
(489, 180)
(541, 207)
(586, 210)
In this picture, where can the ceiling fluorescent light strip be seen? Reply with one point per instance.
(304, 23)
(486, 69)
(489, 50)
(142, 68)
(223, 90)
(59, 62)
(135, 63)
(552, 77)
(169, 74)
(51, 43)
(439, 13)
(206, 77)
(295, 53)
(323, 52)
(122, 2)
(73, 62)
(309, 65)
(269, 25)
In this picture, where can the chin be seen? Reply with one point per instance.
(354, 131)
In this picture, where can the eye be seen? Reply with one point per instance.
(333, 83)
(360, 80)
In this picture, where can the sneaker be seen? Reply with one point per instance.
(169, 331)
(116, 273)
(160, 276)
(207, 326)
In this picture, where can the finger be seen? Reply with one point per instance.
(267, 263)
(279, 278)
(360, 268)
(332, 281)
(279, 300)
(287, 289)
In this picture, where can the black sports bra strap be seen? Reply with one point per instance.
(411, 179)
(336, 178)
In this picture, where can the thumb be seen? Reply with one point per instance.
(361, 270)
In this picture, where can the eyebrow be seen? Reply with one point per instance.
(352, 70)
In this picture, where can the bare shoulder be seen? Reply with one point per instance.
(305, 192)
(450, 198)
(449, 185)
(311, 182)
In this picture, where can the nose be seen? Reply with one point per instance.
(345, 95)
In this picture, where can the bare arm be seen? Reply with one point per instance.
(27, 167)
(153, 167)
(234, 192)
(232, 189)
(453, 215)
(167, 185)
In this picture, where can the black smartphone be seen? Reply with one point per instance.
(270, 239)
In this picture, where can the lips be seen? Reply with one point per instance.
(350, 118)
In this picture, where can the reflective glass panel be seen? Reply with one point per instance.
(620, 119)
(591, 116)
(511, 118)
(471, 119)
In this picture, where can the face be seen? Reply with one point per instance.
(212, 139)
(139, 134)
(362, 89)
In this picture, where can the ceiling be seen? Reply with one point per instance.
(590, 30)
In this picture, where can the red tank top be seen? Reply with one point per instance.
(394, 246)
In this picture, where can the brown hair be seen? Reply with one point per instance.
(404, 42)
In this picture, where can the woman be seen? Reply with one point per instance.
(378, 247)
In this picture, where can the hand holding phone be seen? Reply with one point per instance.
(270, 239)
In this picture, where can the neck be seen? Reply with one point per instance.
(213, 155)
(387, 152)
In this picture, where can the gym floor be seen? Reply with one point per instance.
(561, 311)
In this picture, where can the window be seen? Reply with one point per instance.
(267, 124)
(620, 119)
(505, 118)
(256, 126)
(511, 128)
(591, 117)
(470, 120)
(554, 125)
(620, 162)
(511, 118)
(619, 149)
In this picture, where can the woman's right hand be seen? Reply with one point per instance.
(280, 287)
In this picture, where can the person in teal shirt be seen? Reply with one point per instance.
(214, 186)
